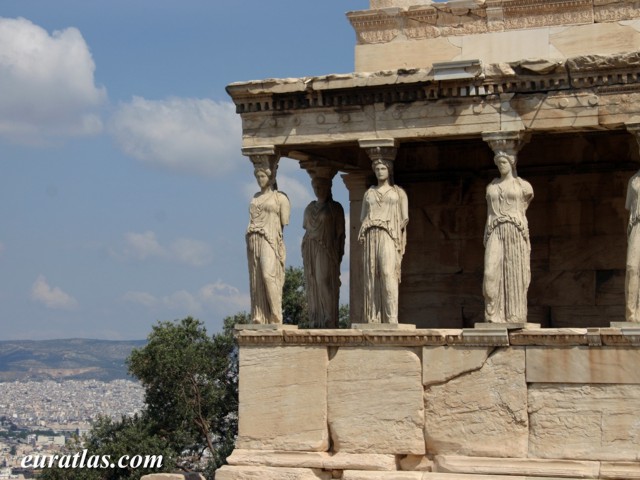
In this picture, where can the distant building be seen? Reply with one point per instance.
(50, 440)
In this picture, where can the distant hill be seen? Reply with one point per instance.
(69, 359)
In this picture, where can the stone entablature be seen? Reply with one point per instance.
(413, 36)
(428, 405)
(581, 93)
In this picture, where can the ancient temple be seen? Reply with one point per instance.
(436, 87)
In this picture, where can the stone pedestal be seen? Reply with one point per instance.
(434, 405)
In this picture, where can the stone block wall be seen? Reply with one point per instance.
(577, 222)
(438, 404)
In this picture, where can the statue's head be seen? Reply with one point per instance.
(506, 162)
(383, 169)
(322, 188)
(263, 176)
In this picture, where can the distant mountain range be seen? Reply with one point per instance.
(69, 359)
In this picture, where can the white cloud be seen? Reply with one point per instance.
(51, 297)
(48, 86)
(191, 252)
(140, 246)
(184, 134)
(141, 298)
(218, 298)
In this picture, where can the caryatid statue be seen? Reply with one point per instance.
(632, 277)
(383, 233)
(322, 251)
(269, 212)
(507, 264)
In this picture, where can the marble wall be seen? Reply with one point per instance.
(429, 404)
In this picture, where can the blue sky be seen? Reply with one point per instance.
(123, 194)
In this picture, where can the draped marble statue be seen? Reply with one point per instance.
(632, 279)
(322, 252)
(507, 269)
(385, 214)
(268, 214)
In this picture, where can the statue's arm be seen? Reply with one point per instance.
(305, 216)
(340, 229)
(404, 208)
(365, 208)
(527, 190)
(285, 208)
(629, 201)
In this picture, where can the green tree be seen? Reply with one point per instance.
(294, 298)
(294, 301)
(190, 382)
(343, 316)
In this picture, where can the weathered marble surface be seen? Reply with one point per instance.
(589, 422)
(441, 364)
(173, 476)
(366, 412)
(395, 34)
(483, 412)
(322, 460)
(269, 473)
(283, 398)
(583, 365)
(517, 466)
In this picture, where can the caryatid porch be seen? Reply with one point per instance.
(578, 154)
(450, 85)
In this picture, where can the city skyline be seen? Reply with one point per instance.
(125, 191)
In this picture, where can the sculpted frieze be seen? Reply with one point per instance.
(378, 36)
(611, 11)
(443, 19)
(626, 61)
(516, 20)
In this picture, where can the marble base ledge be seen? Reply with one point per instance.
(383, 326)
(549, 468)
(625, 324)
(508, 326)
(319, 460)
(265, 326)
(497, 336)
(229, 472)
(359, 475)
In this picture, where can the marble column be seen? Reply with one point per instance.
(632, 273)
(265, 156)
(384, 215)
(322, 246)
(269, 213)
(507, 261)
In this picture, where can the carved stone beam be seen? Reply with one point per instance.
(509, 142)
(634, 128)
(318, 167)
(264, 156)
(495, 13)
(380, 148)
